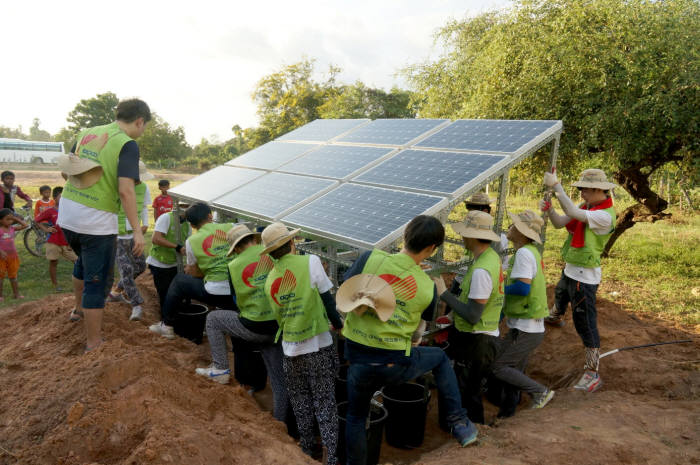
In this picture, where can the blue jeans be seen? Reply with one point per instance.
(582, 297)
(365, 379)
(95, 265)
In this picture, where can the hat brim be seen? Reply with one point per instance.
(74, 165)
(86, 178)
(235, 243)
(464, 231)
(595, 185)
(366, 291)
(526, 230)
(280, 241)
(480, 202)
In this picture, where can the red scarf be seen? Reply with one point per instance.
(577, 228)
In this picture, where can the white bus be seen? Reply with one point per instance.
(28, 151)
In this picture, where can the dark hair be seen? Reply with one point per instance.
(6, 174)
(484, 241)
(245, 241)
(44, 188)
(4, 212)
(56, 190)
(132, 109)
(163, 182)
(197, 214)
(423, 231)
(282, 251)
(478, 206)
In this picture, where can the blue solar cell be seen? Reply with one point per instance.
(272, 194)
(322, 130)
(361, 213)
(488, 135)
(215, 183)
(391, 131)
(443, 172)
(271, 155)
(334, 161)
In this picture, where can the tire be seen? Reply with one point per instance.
(34, 241)
(37, 161)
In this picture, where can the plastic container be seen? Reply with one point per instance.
(190, 322)
(248, 364)
(407, 406)
(375, 430)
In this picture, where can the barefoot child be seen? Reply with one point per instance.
(56, 245)
(9, 260)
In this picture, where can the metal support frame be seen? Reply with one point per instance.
(178, 237)
(501, 207)
(552, 166)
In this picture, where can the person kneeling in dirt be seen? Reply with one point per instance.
(298, 292)
(525, 308)
(590, 226)
(256, 324)
(380, 331)
(206, 274)
(474, 337)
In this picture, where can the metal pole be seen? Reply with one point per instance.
(548, 195)
(178, 236)
(502, 191)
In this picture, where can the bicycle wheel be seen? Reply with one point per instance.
(34, 240)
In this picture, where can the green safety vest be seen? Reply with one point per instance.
(101, 144)
(168, 255)
(413, 290)
(588, 256)
(491, 262)
(248, 272)
(140, 190)
(210, 247)
(533, 305)
(297, 306)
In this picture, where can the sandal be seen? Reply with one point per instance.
(75, 315)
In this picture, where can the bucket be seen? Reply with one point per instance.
(341, 384)
(190, 322)
(377, 417)
(248, 365)
(407, 406)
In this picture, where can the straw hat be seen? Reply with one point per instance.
(480, 198)
(235, 234)
(144, 175)
(478, 225)
(529, 224)
(81, 172)
(275, 236)
(595, 179)
(364, 291)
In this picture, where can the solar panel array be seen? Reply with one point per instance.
(360, 182)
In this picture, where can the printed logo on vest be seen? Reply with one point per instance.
(257, 272)
(91, 144)
(281, 289)
(215, 244)
(404, 289)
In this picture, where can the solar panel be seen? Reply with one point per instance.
(272, 194)
(487, 135)
(440, 172)
(322, 130)
(215, 183)
(335, 161)
(271, 155)
(391, 131)
(362, 215)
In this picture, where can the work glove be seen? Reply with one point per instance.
(544, 205)
(550, 179)
(440, 284)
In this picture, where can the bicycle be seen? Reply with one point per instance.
(33, 237)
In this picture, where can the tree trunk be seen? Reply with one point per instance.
(649, 209)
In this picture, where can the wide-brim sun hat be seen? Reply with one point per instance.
(480, 198)
(365, 291)
(477, 225)
(275, 236)
(236, 234)
(595, 179)
(81, 172)
(144, 175)
(529, 224)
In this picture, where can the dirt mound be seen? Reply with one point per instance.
(136, 400)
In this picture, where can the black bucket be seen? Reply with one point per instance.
(375, 430)
(407, 406)
(248, 364)
(341, 384)
(190, 322)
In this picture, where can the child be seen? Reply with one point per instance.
(56, 244)
(163, 203)
(9, 260)
(8, 191)
(45, 202)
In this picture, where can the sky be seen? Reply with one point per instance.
(197, 63)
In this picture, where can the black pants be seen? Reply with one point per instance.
(185, 287)
(162, 277)
(582, 299)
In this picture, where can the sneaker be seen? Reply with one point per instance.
(163, 329)
(589, 382)
(136, 313)
(112, 297)
(465, 434)
(214, 374)
(541, 399)
(555, 318)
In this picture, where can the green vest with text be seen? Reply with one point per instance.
(140, 190)
(248, 272)
(101, 144)
(210, 247)
(489, 261)
(168, 255)
(533, 305)
(413, 290)
(588, 256)
(297, 306)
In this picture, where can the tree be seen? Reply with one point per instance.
(160, 142)
(360, 101)
(94, 111)
(38, 134)
(621, 74)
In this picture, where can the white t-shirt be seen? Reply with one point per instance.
(162, 225)
(480, 288)
(320, 281)
(600, 223)
(525, 267)
(144, 216)
(82, 219)
(212, 287)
